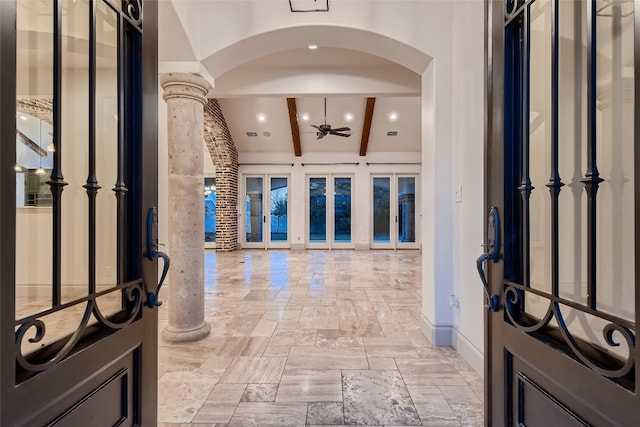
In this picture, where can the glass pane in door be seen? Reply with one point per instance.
(381, 211)
(406, 209)
(209, 210)
(317, 210)
(616, 200)
(34, 158)
(254, 216)
(279, 209)
(342, 209)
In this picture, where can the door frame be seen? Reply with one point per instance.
(510, 349)
(330, 242)
(393, 212)
(74, 378)
(266, 243)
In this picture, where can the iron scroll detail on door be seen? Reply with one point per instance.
(493, 244)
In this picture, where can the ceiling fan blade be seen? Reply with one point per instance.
(342, 129)
(340, 134)
(317, 127)
(321, 135)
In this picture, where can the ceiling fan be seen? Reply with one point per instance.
(325, 129)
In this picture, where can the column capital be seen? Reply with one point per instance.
(184, 85)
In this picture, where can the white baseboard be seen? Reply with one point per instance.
(297, 246)
(439, 335)
(468, 351)
(362, 246)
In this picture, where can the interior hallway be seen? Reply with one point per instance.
(314, 338)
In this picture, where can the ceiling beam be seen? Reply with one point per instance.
(366, 127)
(295, 130)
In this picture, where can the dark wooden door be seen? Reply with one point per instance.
(562, 127)
(78, 174)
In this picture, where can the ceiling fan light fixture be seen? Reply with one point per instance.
(325, 129)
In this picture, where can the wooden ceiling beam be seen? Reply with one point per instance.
(366, 127)
(295, 130)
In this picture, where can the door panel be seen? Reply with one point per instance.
(381, 210)
(330, 208)
(254, 210)
(267, 229)
(77, 342)
(317, 210)
(393, 212)
(342, 210)
(279, 218)
(210, 200)
(406, 224)
(560, 348)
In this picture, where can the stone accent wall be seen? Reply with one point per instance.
(225, 158)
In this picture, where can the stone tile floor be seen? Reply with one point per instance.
(314, 338)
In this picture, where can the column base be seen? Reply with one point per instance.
(185, 335)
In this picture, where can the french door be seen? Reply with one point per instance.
(266, 211)
(78, 174)
(562, 164)
(329, 211)
(393, 211)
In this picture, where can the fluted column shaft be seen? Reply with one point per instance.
(185, 95)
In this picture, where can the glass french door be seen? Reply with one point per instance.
(563, 187)
(330, 208)
(393, 211)
(266, 216)
(78, 333)
(210, 202)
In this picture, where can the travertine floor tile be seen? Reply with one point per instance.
(306, 385)
(377, 397)
(269, 414)
(221, 403)
(254, 370)
(260, 393)
(325, 413)
(327, 358)
(182, 406)
(314, 338)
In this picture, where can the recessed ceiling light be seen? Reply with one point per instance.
(262, 117)
(305, 117)
(348, 117)
(267, 134)
(312, 46)
(393, 116)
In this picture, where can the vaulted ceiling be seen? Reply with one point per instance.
(257, 97)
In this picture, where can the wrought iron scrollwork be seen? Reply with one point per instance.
(512, 8)
(39, 361)
(133, 8)
(514, 295)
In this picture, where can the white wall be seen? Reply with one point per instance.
(468, 175)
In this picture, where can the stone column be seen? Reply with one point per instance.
(185, 95)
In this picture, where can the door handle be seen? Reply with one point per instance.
(153, 254)
(493, 254)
